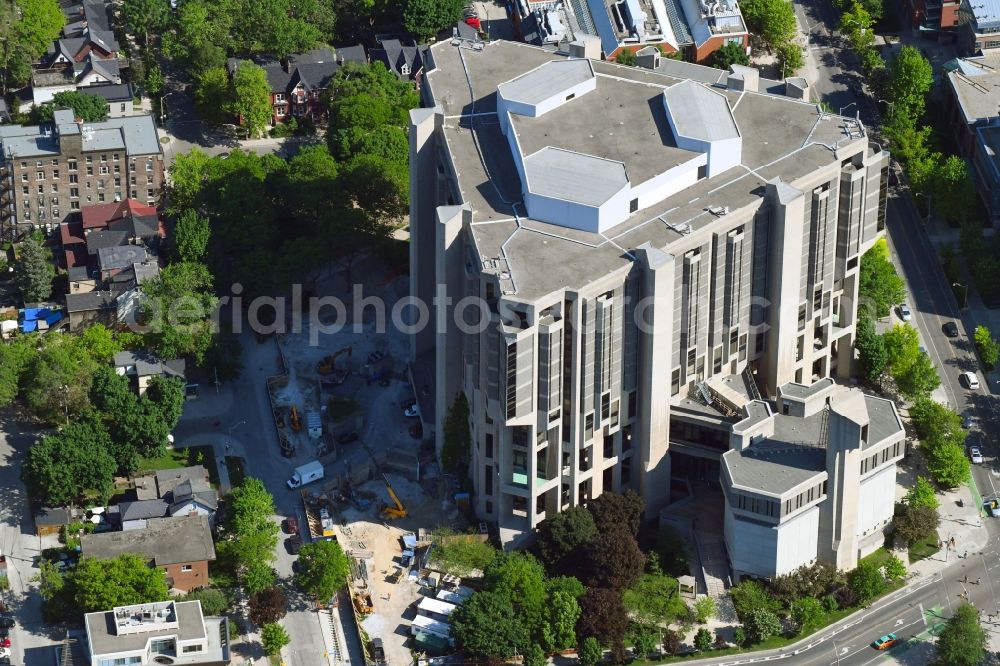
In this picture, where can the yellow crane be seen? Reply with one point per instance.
(396, 509)
(328, 364)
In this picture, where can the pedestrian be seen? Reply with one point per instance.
(965, 578)
(979, 581)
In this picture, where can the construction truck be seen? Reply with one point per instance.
(296, 420)
(396, 509)
(318, 516)
(329, 363)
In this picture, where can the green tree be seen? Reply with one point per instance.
(98, 585)
(274, 637)
(190, 238)
(790, 58)
(252, 535)
(426, 18)
(730, 53)
(770, 21)
(61, 375)
(894, 568)
(879, 286)
(146, 16)
(212, 94)
(626, 57)
(188, 176)
(57, 599)
(40, 23)
(913, 523)
(703, 640)
(178, 309)
(954, 190)
(672, 640)
(872, 62)
(324, 569)
(986, 345)
(948, 464)
(69, 464)
(562, 537)
(534, 656)
(963, 640)
(486, 626)
(807, 612)
(704, 609)
(654, 600)
(564, 611)
(922, 494)
(457, 436)
(520, 579)
(590, 652)
(643, 639)
(902, 347)
(749, 596)
(910, 78)
(872, 355)
(99, 343)
(92, 108)
(612, 510)
(761, 625)
(213, 601)
(251, 97)
(33, 271)
(866, 581)
(16, 356)
(856, 24)
(919, 379)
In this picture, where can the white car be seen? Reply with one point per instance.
(975, 455)
(904, 312)
(970, 380)
(412, 411)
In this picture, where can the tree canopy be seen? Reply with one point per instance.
(324, 569)
(730, 53)
(426, 18)
(251, 97)
(562, 537)
(963, 641)
(69, 464)
(34, 271)
(880, 287)
(98, 585)
(770, 21)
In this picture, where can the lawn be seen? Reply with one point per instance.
(186, 457)
(236, 467)
(923, 549)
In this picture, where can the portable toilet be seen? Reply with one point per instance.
(314, 425)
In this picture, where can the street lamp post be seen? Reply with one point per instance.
(846, 107)
(965, 293)
(65, 389)
(892, 105)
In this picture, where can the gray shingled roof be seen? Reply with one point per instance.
(163, 541)
(142, 509)
(120, 256)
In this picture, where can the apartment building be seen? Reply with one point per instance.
(630, 241)
(814, 481)
(696, 29)
(163, 632)
(979, 26)
(49, 172)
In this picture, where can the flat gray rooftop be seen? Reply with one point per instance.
(104, 638)
(623, 120)
(774, 470)
(883, 421)
(574, 177)
(620, 121)
(700, 112)
(545, 81)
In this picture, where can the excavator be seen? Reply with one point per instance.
(395, 510)
(328, 364)
(296, 420)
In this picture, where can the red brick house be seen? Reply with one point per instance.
(298, 82)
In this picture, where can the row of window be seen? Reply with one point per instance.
(75, 205)
(873, 462)
(74, 191)
(72, 162)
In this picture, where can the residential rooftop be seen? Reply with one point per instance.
(623, 118)
(136, 135)
(163, 541)
(975, 82)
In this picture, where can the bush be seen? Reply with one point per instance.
(589, 652)
(274, 638)
(213, 601)
(703, 640)
(704, 609)
(830, 603)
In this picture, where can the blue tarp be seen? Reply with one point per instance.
(29, 326)
(33, 314)
(53, 318)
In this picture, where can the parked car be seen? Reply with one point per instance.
(293, 544)
(417, 431)
(411, 411)
(970, 380)
(291, 526)
(904, 312)
(967, 421)
(5, 642)
(885, 642)
(950, 329)
(347, 437)
(992, 507)
(975, 455)
(6, 622)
